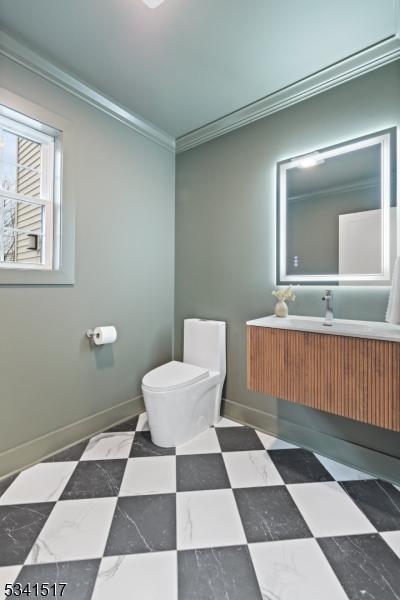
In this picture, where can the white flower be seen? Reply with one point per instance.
(284, 294)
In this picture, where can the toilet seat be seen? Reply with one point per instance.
(173, 376)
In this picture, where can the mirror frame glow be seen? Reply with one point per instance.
(387, 141)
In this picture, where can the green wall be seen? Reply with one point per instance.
(319, 217)
(225, 241)
(123, 186)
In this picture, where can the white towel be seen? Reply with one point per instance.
(393, 309)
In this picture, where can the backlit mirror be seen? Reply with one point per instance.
(336, 213)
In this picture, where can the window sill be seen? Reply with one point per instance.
(63, 276)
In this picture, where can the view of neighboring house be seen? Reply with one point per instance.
(28, 216)
(21, 221)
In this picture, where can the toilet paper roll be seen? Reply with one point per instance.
(104, 335)
(393, 309)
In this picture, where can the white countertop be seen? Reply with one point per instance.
(374, 330)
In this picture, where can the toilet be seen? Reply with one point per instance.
(183, 399)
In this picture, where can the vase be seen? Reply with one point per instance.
(281, 309)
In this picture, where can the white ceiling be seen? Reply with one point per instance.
(190, 62)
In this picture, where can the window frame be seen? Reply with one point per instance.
(65, 198)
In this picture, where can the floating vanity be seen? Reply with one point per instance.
(351, 369)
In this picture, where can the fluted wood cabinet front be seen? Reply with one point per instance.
(353, 377)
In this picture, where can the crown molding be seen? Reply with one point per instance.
(345, 188)
(350, 68)
(34, 62)
(354, 66)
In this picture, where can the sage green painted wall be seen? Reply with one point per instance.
(124, 192)
(225, 233)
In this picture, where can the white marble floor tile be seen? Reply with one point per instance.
(143, 423)
(273, 443)
(328, 510)
(392, 538)
(342, 472)
(75, 530)
(224, 422)
(109, 446)
(151, 576)
(204, 443)
(295, 570)
(43, 482)
(7, 575)
(155, 475)
(251, 469)
(207, 519)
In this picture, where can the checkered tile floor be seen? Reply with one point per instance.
(234, 514)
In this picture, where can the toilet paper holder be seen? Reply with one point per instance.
(100, 336)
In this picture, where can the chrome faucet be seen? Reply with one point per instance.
(328, 299)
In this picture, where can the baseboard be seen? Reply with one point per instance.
(359, 457)
(29, 453)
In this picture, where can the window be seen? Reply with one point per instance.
(29, 193)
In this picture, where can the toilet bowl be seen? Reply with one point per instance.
(182, 399)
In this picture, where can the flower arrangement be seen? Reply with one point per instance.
(285, 294)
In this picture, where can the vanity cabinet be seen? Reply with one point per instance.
(354, 377)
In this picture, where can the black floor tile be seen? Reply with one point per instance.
(143, 524)
(269, 514)
(299, 466)
(143, 446)
(214, 573)
(129, 425)
(201, 472)
(95, 479)
(379, 501)
(20, 525)
(233, 439)
(365, 566)
(79, 576)
(5, 483)
(70, 454)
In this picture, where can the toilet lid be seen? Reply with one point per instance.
(173, 375)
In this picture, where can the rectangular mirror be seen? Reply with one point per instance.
(337, 215)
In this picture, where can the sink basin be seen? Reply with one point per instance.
(364, 329)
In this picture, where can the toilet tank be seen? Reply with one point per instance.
(205, 344)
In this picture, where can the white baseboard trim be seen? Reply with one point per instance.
(375, 463)
(29, 453)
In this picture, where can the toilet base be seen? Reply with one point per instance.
(177, 417)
